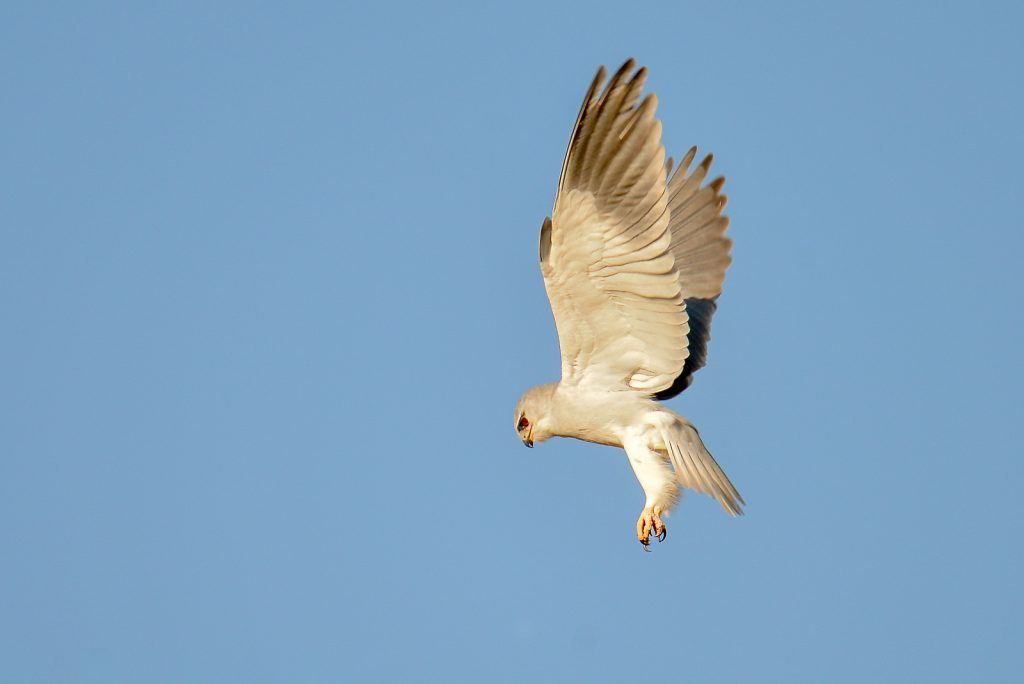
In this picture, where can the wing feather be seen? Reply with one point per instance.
(606, 254)
(635, 255)
(701, 252)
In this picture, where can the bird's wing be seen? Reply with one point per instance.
(701, 251)
(606, 255)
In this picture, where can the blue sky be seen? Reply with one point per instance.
(270, 294)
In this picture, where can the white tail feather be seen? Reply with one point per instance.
(694, 465)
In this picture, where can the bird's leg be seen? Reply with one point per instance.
(650, 521)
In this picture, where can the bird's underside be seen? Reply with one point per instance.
(633, 261)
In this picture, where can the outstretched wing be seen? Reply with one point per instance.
(606, 255)
(701, 252)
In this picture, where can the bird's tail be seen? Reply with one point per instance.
(695, 467)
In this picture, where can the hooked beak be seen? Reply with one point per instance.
(529, 439)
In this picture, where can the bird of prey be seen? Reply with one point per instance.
(633, 258)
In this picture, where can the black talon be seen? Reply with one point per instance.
(663, 535)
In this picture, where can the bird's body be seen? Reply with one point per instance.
(633, 262)
(591, 415)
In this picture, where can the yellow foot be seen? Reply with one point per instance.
(650, 521)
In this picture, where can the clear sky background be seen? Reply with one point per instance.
(269, 295)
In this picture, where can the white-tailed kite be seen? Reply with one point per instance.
(633, 259)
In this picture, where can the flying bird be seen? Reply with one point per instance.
(633, 258)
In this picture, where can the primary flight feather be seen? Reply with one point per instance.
(633, 259)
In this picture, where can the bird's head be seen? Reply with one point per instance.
(532, 414)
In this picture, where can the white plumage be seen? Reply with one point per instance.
(633, 260)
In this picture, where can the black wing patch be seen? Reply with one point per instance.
(700, 312)
(545, 239)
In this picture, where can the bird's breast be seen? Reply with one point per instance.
(599, 417)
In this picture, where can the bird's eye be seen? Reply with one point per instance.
(523, 423)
